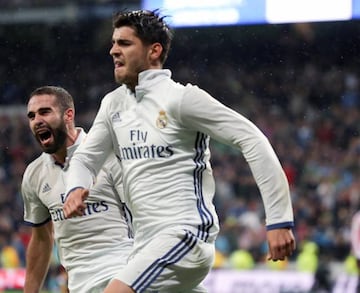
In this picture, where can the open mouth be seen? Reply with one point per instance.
(44, 135)
(118, 64)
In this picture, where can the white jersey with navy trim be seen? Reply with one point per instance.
(161, 135)
(91, 247)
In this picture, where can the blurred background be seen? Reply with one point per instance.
(291, 69)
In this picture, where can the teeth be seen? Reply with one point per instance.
(41, 131)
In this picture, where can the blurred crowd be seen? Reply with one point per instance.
(299, 83)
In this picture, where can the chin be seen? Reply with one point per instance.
(119, 80)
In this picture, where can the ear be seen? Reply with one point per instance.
(155, 52)
(69, 115)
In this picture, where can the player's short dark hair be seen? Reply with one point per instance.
(149, 27)
(63, 97)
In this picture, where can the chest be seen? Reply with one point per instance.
(51, 187)
(148, 123)
(151, 128)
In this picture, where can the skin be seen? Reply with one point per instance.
(38, 256)
(45, 116)
(130, 57)
(281, 243)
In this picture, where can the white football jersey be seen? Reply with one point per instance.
(161, 135)
(91, 247)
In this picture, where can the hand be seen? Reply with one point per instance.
(74, 204)
(281, 243)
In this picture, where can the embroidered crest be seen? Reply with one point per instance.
(162, 120)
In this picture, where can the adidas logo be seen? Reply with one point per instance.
(116, 117)
(46, 188)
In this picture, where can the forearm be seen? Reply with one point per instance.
(233, 129)
(37, 264)
(274, 189)
(89, 157)
(78, 175)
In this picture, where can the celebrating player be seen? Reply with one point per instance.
(93, 246)
(159, 130)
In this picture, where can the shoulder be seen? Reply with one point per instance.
(177, 90)
(188, 89)
(36, 166)
(180, 97)
(193, 89)
(33, 174)
(114, 95)
(113, 101)
(192, 95)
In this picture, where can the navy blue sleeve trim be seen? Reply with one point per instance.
(37, 225)
(280, 225)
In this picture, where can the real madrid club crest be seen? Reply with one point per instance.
(162, 120)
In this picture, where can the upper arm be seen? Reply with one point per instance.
(43, 233)
(202, 112)
(35, 212)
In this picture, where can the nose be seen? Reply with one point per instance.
(37, 120)
(114, 50)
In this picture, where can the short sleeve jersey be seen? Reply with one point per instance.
(91, 247)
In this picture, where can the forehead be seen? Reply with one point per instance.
(124, 32)
(41, 101)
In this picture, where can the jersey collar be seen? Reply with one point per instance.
(148, 78)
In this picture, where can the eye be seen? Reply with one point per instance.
(30, 116)
(44, 112)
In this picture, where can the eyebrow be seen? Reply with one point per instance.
(120, 41)
(31, 113)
